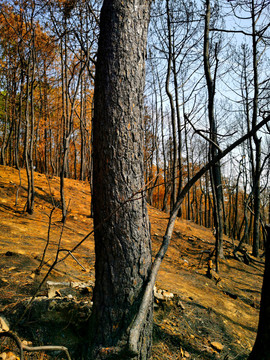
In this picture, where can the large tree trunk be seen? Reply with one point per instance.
(122, 236)
(261, 349)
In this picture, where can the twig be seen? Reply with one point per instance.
(77, 261)
(49, 184)
(198, 131)
(37, 271)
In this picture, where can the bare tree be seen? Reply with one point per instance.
(214, 146)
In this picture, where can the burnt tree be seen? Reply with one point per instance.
(261, 348)
(122, 236)
(216, 178)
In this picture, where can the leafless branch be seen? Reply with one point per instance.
(231, 31)
(197, 131)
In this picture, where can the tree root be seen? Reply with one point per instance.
(21, 346)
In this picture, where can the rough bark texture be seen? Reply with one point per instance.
(261, 349)
(123, 245)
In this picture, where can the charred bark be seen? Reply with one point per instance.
(122, 243)
(261, 348)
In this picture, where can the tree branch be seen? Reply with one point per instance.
(231, 31)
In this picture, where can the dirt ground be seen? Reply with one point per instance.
(209, 312)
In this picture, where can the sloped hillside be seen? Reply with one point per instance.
(206, 319)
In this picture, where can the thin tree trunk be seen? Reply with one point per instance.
(18, 126)
(173, 120)
(82, 129)
(257, 141)
(235, 225)
(216, 171)
(31, 189)
(187, 160)
(165, 168)
(65, 146)
(4, 141)
(179, 131)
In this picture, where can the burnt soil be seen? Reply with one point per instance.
(203, 312)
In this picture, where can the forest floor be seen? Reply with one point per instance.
(209, 320)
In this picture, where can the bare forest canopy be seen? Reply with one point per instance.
(207, 84)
